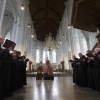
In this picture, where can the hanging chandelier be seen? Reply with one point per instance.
(49, 42)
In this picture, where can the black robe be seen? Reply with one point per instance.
(75, 71)
(1, 70)
(82, 72)
(96, 74)
(5, 82)
(90, 74)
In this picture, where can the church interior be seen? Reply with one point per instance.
(49, 50)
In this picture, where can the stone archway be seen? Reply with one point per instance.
(7, 24)
(10, 18)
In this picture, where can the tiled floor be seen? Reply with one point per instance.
(60, 89)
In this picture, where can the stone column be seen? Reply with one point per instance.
(34, 51)
(50, 55)
(26, 29)
(15, 29)
(32, 54)
(29, 47)
(58, 55)
(21, 32)
(2, 10)
(41, 54)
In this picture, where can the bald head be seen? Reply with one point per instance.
(97, 50)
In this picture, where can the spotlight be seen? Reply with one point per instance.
(60, 42)
(22, 7)
(68, 26)
(28, 25)
(32, 36)
(35, 42)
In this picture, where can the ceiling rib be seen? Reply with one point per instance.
(43, 31)
(50, 19)
(46, 16)
(44, 26)
(44, 9)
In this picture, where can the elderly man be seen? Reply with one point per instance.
(82, 68)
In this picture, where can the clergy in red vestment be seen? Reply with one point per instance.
(48, 69)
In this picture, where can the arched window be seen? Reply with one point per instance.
(48, 56)
(37, 56)
(44, 56)
(54, 56)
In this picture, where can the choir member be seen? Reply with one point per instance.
(12, 69)
(1, 66)
(82, 67)
(90, 70)
(96, 64)
(75, 69)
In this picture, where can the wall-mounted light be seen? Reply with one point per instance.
(68, 26)
(32, 36)
(35, 42)
(60, 42)
(63, 35)
(22, 7)
(28, 25)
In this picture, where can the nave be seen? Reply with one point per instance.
(53, 30)
(61, 88)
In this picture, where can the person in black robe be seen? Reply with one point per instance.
(5, 83)
(1, 72)
(90, 70)
(23, 70)
(75, 69)
(96, 64)
(5, 59)
(13, 72)
(82, 70)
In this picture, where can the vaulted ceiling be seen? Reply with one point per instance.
(46, 16)
(86, 15)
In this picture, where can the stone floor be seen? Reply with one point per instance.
(61, 88)
(56, 74)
